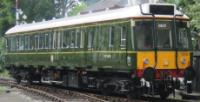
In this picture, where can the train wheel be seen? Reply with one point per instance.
(189, 74)
(18, 79)
(135, 94)
(28, 77)
(163, 92)
(106, 88)
(164, 95)
(177, 84)
(149, 74)
(106, 91)
(29, 81)
(135, 90)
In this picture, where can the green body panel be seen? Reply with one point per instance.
(100, 55)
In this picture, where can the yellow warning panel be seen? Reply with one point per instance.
(145, 59)
(184, 59)
(166, 60)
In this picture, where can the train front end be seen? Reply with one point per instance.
(164, 56)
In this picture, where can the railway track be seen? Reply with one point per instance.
(58, 94)
(62, 95)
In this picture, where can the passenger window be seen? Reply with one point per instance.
(50, 40)
(26, 42)
(29, 42)
(82, 39)
(36, 42)
(58, 40)
(72, 40)
(21, 43)
(46, 41)
(55, 40)
(14, 43)
(32, 42)
(41, 41)
(8, 41)
(90, 38)
(65, 39)
(111, 36)
(77, 39)
(68, 39)
(123, 33)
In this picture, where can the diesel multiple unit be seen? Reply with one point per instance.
(136, 50)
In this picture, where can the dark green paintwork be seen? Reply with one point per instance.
(99, 56)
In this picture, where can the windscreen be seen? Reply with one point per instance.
(164, 37)
(183, 37)
(144, 36)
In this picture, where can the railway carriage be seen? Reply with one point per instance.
(136, 50)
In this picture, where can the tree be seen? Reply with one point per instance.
(62, 6)
(6, 15)
(7, 18)
(191, 8)
(90, 2)
(76, 9)
(37, 10)
(69, 7)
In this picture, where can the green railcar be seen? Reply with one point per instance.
(133, 50)
(99, 45)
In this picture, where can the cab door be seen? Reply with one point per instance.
(184, 45)
(144, 42)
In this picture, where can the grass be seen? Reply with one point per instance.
(2, 89)
(5, 74)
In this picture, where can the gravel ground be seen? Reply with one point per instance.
(16, 95)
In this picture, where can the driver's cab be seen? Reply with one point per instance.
(162, 40)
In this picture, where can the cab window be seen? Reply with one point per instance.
(144, 36)
(164, 35)
(183, 36)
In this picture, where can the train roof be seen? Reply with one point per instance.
(91, 17)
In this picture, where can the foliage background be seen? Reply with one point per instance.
(192, 9)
